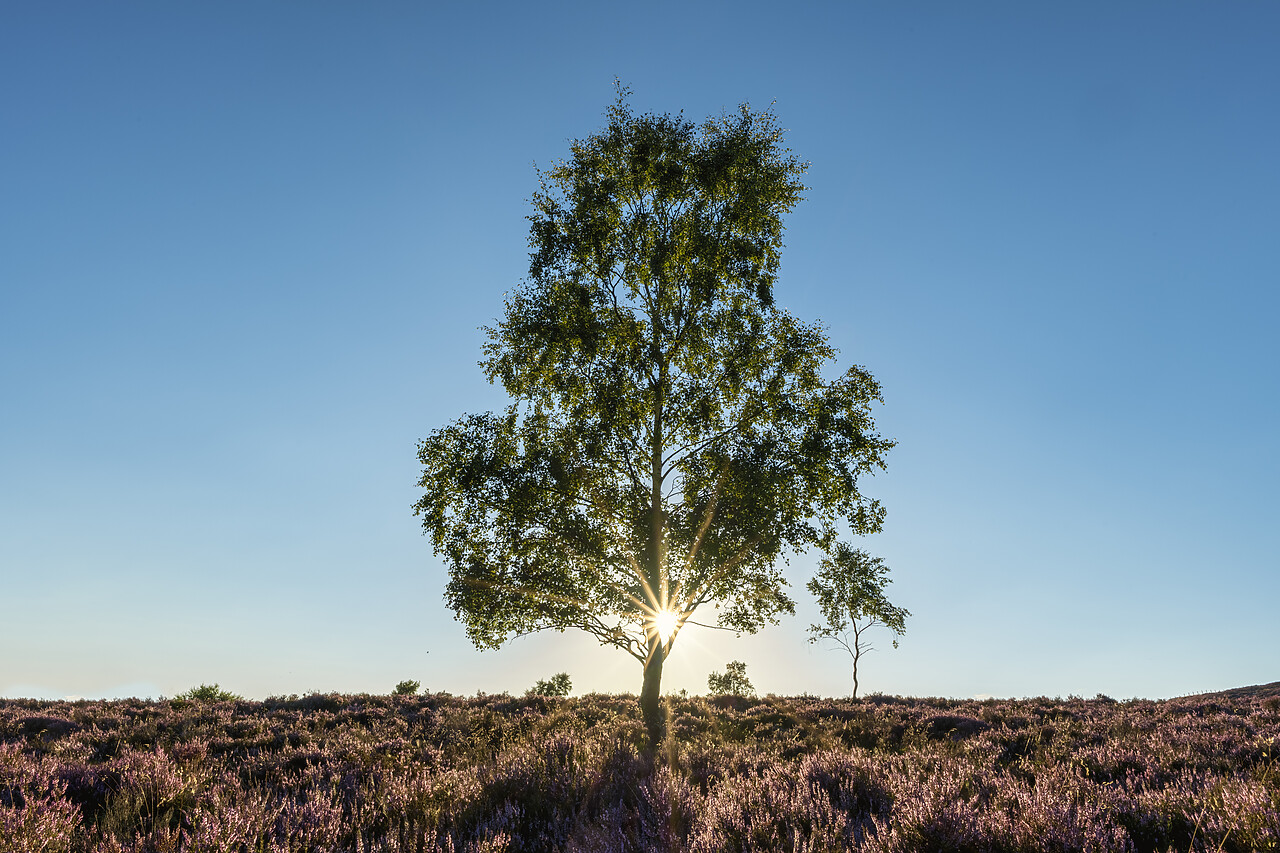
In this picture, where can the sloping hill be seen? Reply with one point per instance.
(1257, 691)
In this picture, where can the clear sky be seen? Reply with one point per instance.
(245, 249)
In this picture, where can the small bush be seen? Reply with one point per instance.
(209, 693)
(732, 682)
(557, 685)
(406, 688)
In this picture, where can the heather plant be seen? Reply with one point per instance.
(434, 772)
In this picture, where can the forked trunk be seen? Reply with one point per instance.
(651, 699)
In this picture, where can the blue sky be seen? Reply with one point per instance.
(245, 250)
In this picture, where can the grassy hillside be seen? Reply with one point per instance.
(1257, 691)
(496, 773)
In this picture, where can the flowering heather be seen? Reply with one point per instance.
(496, 773)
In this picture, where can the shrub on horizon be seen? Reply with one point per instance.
(732, 682)
(557, 685)
(406, 688)
(209, 693)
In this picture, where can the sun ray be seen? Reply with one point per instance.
(666, 623)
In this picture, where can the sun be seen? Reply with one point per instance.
(665, 623)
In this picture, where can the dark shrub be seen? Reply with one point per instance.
(209, 693)
(557, 685)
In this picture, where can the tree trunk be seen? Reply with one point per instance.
(651, 692)
(857, 653)
(651, 697)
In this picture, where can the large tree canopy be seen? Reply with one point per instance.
(672, 435)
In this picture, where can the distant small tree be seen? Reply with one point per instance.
(557, 685)
(406, 688)
(849, 587)
(732, 682)
(209, 693)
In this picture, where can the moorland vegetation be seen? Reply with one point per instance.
(435, 772)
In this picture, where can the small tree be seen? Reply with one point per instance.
(557, 685)
(849, 587)
(406, 688)
(732, 682)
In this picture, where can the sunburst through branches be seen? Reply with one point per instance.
(666, 622)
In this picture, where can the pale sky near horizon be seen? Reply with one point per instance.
(246, 249)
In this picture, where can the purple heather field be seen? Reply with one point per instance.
(436, 772)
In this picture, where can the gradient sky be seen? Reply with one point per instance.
(245, 249)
